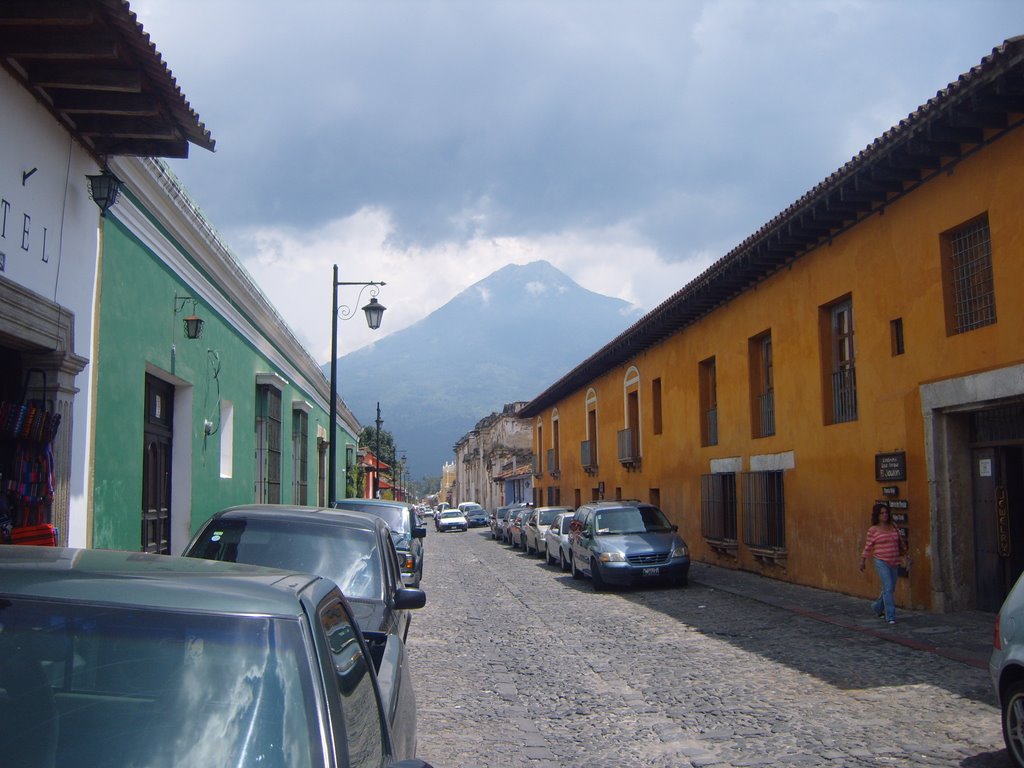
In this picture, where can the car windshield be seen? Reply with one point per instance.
(566, 524)
(348, 556)
(103, 685)
(451, 513)
(631, 520)
(395, 515)
(546, 516)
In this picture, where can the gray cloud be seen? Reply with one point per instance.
(694, 121)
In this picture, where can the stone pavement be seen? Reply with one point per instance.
(964, 636)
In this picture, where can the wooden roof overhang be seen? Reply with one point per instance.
(90, 63)
(978, 108)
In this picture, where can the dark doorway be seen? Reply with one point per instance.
(997, 468)
(156, 467)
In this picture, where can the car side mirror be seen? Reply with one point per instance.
(407, 598)
(675, 529)
(419, 532)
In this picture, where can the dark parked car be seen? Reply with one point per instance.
(353, 549)
(406, 530)
(476, 517)
(500, 521)
(621, 542)
(123, 659)
(514, 529)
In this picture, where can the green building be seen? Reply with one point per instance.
(181, 427)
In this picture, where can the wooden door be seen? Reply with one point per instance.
(156, 467)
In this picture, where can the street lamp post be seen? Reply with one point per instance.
(374, 311)
(376, 455)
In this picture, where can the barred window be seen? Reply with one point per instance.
(268, 444)
(842, 361)
(708, 403)
(718, 507)
(764, 510)
(762, 385)
(970, 290)
(300, 455)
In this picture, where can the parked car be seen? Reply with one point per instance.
(124, 658)
(355, 550)
(405, 530)
(536, 525)
(475, 515)
(1006, 666)
(514, 529)
(556, 541)
(500, 521)
(620, 542)
(452, 520)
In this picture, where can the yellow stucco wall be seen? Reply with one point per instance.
(890, 266)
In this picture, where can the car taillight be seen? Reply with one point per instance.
(997, 640)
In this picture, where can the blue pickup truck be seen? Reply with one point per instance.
(127, 659)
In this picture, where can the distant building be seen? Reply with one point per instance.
(498, 443)
(445, 492)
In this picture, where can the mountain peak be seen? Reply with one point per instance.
(505, 338)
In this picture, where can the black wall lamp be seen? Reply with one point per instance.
(193, 323)
(104, 188)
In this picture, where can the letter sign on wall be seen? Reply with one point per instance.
(890, 467)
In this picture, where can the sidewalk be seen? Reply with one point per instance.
(963, 636)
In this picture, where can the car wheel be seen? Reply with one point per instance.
(681, 581)
(522, 543)
(562, 562)
(595, 577)
(572, 567)
(529, 550)
(1013, 721)
(548, 559)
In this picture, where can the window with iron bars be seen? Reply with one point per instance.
(268, 444)
(708, 402)
(763, 385)
(843, 379)
(970, 289)
(764, 510)
(718, 507)
(300, 455)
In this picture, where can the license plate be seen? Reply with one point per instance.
(651, 571)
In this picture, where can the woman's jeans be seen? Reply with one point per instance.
(887, 574)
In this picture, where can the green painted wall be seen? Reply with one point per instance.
(138, 328)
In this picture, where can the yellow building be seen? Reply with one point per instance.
(865, 344)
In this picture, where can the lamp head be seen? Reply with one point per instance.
(104, 188)
(374, 312)
(193, 327)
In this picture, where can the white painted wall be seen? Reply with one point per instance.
(48, 242)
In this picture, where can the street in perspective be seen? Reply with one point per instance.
(518, 664)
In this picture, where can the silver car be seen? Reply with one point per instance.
(556, 540)
(536, 526)
(1006, 666)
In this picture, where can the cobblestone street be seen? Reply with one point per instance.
(516, 664)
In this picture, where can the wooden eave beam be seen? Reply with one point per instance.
(135, 104)
(80, 76)
(19, 44)
(120, 127)
(45, 12)
(108, 145)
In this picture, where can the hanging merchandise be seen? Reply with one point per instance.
(29, 490)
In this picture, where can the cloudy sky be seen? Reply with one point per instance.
(427, 143)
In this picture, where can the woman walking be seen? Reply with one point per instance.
(886, 545)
